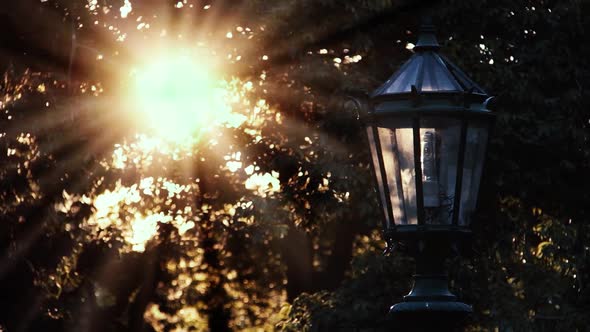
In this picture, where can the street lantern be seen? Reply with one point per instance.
(428, 129)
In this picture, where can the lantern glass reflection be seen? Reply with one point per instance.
(377, 170)
(475, 149)
(397, 151)
(439, 153)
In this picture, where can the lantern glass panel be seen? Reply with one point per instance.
(475, 146)
(439, 151)
(378, 174)
(397, 147)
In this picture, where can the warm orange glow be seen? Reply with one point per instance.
(121, 208)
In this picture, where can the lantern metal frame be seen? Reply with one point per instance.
(430, 244)
(462, 107)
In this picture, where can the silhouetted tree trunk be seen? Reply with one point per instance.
(146, 291)
(339, 260)
(297, 254)
(216, 297)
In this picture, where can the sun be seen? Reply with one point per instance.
(178, 96)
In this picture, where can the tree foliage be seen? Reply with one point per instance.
(223, 254)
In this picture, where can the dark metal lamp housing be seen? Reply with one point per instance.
(428, 129)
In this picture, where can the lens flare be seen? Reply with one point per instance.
(178, 96)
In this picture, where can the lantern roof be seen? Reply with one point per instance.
(428, 72)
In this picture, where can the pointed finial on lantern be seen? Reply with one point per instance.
(427, 38)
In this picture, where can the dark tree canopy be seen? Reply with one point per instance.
(272, 224)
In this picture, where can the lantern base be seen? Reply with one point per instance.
(430, 315)
(443, 307)
(430, 305)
